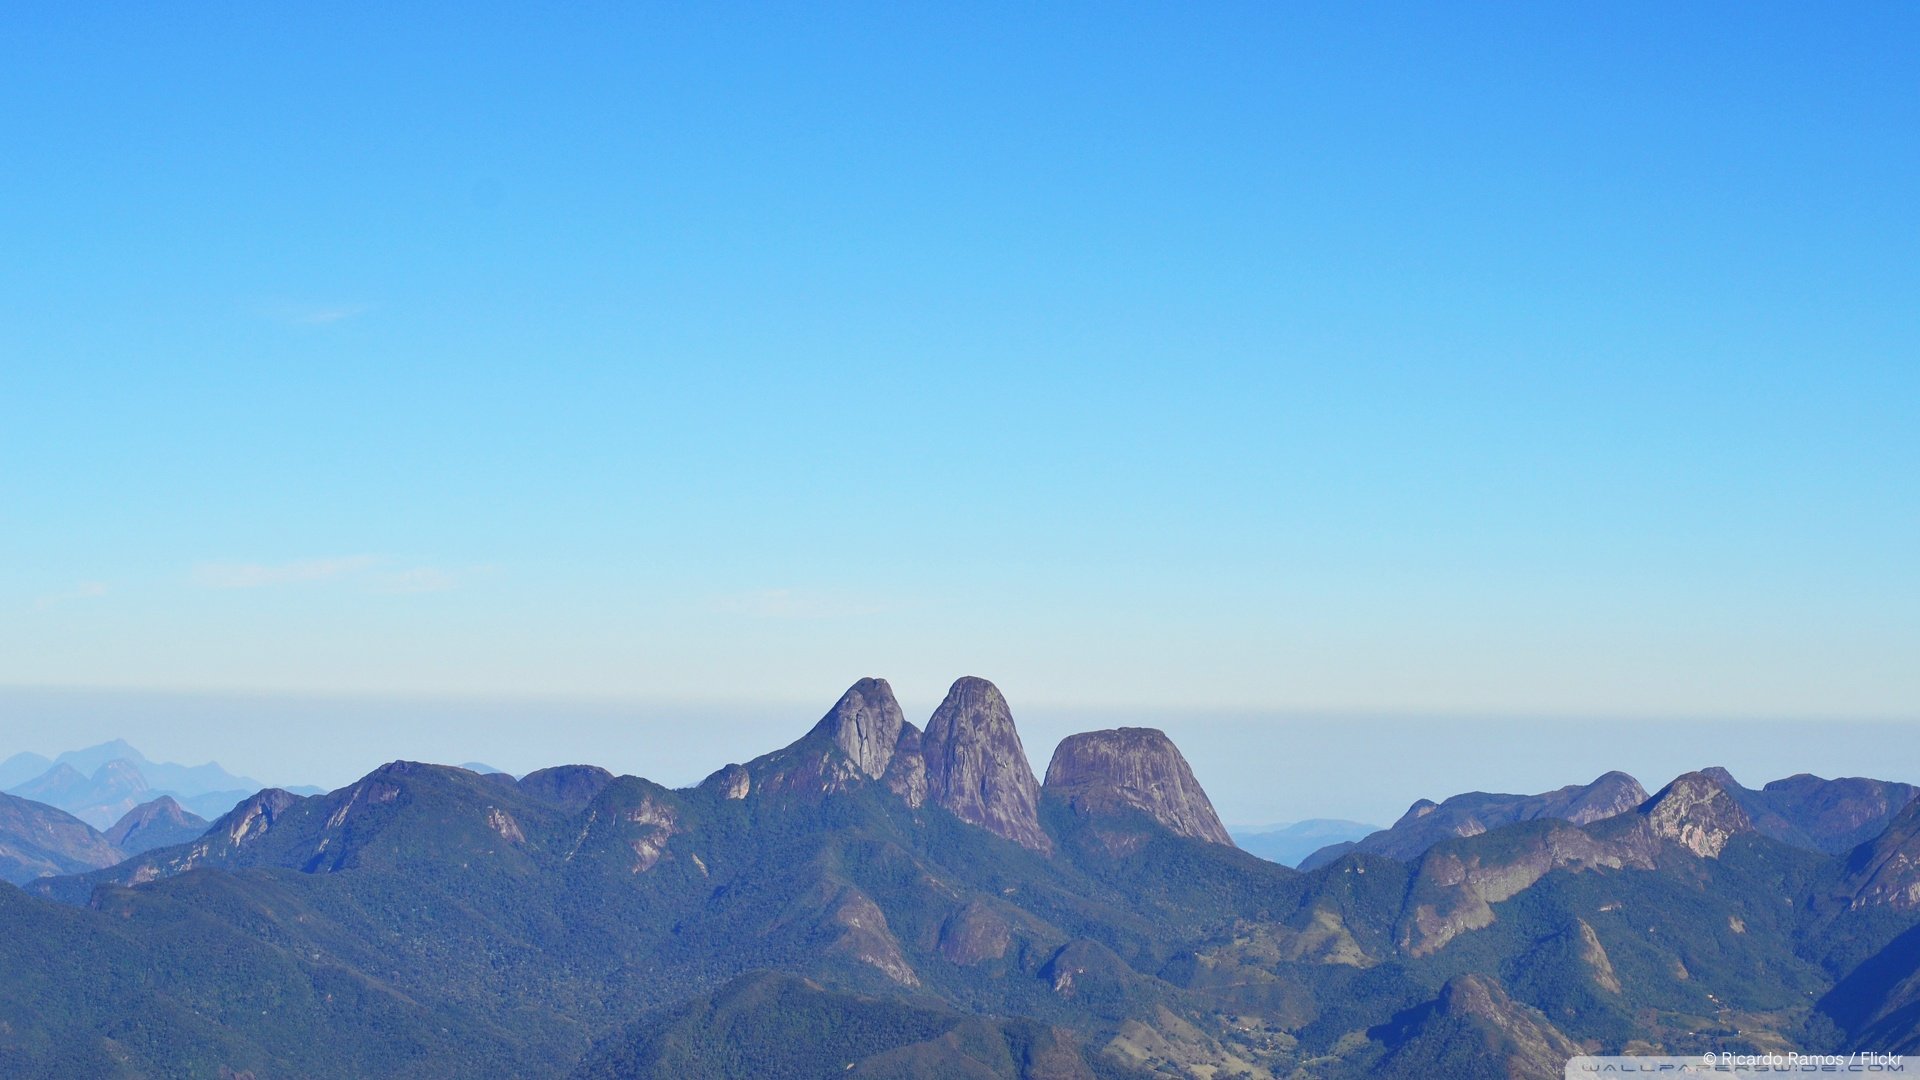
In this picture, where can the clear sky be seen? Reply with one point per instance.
(1538, 361)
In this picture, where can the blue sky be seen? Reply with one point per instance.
(1540, 361)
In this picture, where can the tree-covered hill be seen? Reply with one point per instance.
(432, 921)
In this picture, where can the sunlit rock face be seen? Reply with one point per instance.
(976, 767)
(1101, 772)
(853, 744)
(907, 773)
(865, 724)
(1612, 794)
(1697, 812)
(1457, 883)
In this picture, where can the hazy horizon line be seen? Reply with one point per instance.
(1200, 711)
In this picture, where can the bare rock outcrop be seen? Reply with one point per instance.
(1101, 772)
(854, 743)
(976, 767)
(1457, 883)
(1698, 812)
(865, 724)
(906, 774)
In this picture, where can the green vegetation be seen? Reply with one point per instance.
(429, 922)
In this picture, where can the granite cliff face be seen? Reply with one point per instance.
(976, 767)
(1697, 812)
(1456, 883)
(1101, 772)
(852, 744)
(1612, 793)
(906, 774)
(865, 724)
(969, 760)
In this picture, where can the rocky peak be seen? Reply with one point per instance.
(1480, 999)
(54, 786)
(1139, 768)
(254, 816)
(865, 724)
(856, 742)
(1473, 995)
(1426, 823)
(976, 767)
(122, 774)
(155, 824)
(1833, 816)
(1474, 1023)
(1612, 793)
(1719, 775)
(1420, 808)
(730, 781)
(1698, 812)
(162, 809)
(569, 787)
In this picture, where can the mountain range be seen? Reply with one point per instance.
(1290, 842)
(101, 784)
(1805, 811)
(883, 899)
(37, 840)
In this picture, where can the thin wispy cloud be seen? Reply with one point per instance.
(367, 573)
(419, 579)
(86, 590)
(215, 575)
(797, 604)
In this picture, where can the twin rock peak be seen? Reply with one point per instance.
(970, 762)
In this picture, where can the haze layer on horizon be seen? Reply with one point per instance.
(1531, 362)
(1257, 767)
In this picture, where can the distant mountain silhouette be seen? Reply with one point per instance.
(114, 788)
(1289, 843)
(102, 783)
(160, 823)
(21, 768)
